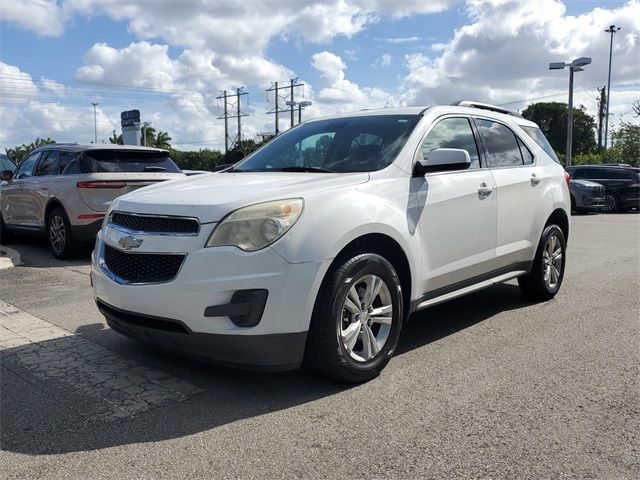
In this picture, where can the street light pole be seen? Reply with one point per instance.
(570, 120)
(612, 29)
(95, 122)
(575, 66)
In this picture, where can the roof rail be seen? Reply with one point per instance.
(485, 106)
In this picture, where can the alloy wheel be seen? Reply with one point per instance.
(366, 318)
(552, 261)
(609, 203)
(57, 233)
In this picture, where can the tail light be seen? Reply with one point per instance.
(567, 178)
(101, 184)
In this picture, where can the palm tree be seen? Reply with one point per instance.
(117, 139)
(162, 140)
(150, 134)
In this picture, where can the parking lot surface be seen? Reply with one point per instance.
(486, 386)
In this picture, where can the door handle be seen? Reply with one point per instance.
(485, 190)
(534, 180)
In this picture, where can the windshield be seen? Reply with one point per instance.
(100, 161)
(354, 144)
(540, 139)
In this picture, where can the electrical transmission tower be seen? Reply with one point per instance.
(225, 97)
(291, 103)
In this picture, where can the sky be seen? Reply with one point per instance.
(171, 59)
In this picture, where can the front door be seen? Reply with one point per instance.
(458, 220)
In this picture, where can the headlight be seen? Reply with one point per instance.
(256, 226)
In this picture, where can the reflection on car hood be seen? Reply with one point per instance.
(211, 197)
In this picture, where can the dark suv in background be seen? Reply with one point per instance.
(621, 183)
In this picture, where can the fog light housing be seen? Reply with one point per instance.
(245, 310)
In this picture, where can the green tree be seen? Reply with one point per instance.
(552, 119)
(204, 159)
(626, 145)
(162, 140)
(20, 152)
(116, 139)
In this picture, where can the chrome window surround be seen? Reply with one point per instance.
(103, 265)
(122, 229)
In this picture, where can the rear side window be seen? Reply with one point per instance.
(615, 174)
(452, 133)
(501, 143)
(48, 163)
(115, 161)
(66, 158)
(540, 139)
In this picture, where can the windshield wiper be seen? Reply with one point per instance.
(295, 168)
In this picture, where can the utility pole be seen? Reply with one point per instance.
(570, 120)
(95, 122)
(225, 96)
(293, 83)
(612, 29)
(601, 106)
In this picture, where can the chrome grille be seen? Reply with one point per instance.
(141, 267)
(138, 223)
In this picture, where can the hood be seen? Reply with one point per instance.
(210, 197)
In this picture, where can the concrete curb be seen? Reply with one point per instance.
(9, 258)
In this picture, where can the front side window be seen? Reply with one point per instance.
(6, 164)
(355, 144)
(452, 133)
(25, 170)
(501, 144)
(48, 163)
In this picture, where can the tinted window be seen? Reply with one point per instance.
(615, 174)
(6, 164)
(355, 144)
(25, 170)
(48, 163)
(540, 139)
(66, 158)
(103, 161)
(452, 133)
(501, 144)
(527, 156)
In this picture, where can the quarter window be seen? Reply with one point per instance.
(25, 170)
(527, 156)
(452, 133)
(501, 144)
(48, 163)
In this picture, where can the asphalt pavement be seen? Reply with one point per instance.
(484, 387)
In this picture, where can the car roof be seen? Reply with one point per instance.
(443, 109)
(77, 147)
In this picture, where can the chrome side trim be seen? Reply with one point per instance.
(129, 231)
(471, 288)
(103, 265)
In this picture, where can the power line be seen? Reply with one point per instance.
(293, 84)
(226, 116)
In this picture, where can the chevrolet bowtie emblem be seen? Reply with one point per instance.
(129, 242)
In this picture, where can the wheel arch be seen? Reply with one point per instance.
(560, 218)
(52, 204)
(386, 247)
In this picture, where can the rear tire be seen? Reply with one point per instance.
(61, 241)
(545, 278)
(611, 203)
(356, 320)
(6, 237)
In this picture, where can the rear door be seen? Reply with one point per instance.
(458, 218)
(16, 201)
(103, 175)
(520, 184)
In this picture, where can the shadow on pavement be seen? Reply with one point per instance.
(34, 252)
(40, 416)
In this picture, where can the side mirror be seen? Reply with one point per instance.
(6, 175)
(444, 159)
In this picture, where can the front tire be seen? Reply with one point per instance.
(547, 271)
(61, 241)
(356, 321)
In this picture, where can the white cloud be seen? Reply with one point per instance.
(383, 60)
(43, 17)
(502, 55)
(400, 40)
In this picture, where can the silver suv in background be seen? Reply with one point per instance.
(64, 190)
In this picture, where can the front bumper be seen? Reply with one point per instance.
(209, 277)
(276, 352)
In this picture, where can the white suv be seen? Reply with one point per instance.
(318, 246)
